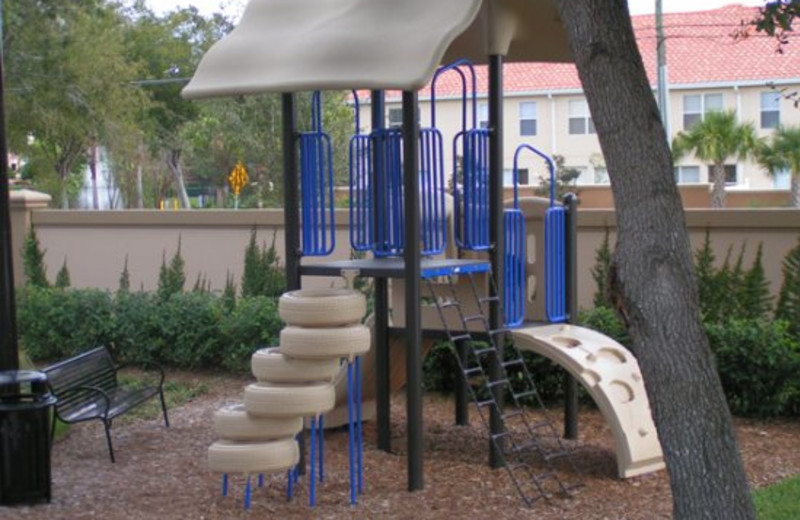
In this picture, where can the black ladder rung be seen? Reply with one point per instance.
(489, 299)
(519, 448)
(513, 362)
(540, 424)
(492, 384)
(487, 402)
(469, 372)
(476, 317)
(482, 351)
(497, 332)
(557, 455)
(460, 337)
(546, 476)
(513, 413)
(527, 393)
(449, 305)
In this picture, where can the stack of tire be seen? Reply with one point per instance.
(295, 380)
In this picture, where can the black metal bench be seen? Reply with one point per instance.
(87, 388)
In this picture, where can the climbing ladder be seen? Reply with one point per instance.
(532, 451)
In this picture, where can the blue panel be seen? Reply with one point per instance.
(514, 267)
(555, 279)
(316, 183)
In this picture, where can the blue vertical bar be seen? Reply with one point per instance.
(312, 495)
(224, 484)
(248, 493)
(261, 480)
(350, 396)
(360, 439)
(321, 431)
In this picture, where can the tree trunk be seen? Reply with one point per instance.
(718, 196)
(795, 189)
(93, 172)
(139, 184)
(174, 163)
(653, 283)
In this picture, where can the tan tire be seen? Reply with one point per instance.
(272, 366)
(267, 400)
(322, 307)
(306, 343)
(233, 423)
(253, 457)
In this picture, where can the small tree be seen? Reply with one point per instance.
(253, 275)
(171, 278)
(124, 279)
(706, 273)
(565, 179)
(33, 261)
(62, 278)
(788, 307)
(602, 265)
(754, 297)
(263, 275)
(714, 139)
(229, 293)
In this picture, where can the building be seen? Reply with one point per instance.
(708, 69)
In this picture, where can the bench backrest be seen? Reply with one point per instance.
(92, 368)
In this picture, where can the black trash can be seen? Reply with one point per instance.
(25, 404)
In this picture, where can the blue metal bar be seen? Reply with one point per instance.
(321, 428)
(312, 495)
(261, 480)
(433, 272)
(248, 493)
(350, 396)
(359, 431)
(224, 484)
(290, 478)
(316, 175)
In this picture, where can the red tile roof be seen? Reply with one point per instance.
(700, 49)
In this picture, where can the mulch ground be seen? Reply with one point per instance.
(161, 473)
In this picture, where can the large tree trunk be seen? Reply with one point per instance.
(795, 189)
(174, 163)
(653, 283)
(718, 196)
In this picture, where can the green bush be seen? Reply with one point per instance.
(253, 323)
(33, 261)
(189, 329)
(605, 320)
(759, 365)
(56, 323)
(137, 336)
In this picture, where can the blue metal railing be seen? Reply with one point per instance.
(316, 183)
(471, 144)
(361, 173)
(514, 254)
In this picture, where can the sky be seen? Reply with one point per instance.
(636, 6)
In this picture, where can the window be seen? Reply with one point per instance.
(483, 115)
(527, 118)
(687, 174)
(770, 109)
(523, 177)
(580, 120)
(782, 180)
(731, 174)
(695, 106)
(395, 119)
(601, 175)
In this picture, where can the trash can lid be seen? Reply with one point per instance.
(37, 380)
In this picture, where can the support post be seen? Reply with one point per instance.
(411, 255)
(571, 286)
(381, 295)
(462, 405)
(291, 218)
(9, 348)
(496, 238)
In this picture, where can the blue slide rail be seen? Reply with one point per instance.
(316, 183)
(514, 255)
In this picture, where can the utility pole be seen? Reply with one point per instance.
(663, 82)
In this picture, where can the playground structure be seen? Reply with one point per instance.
(399, 214)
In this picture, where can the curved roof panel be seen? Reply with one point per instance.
(293, 45)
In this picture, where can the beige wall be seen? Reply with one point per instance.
(213, 242)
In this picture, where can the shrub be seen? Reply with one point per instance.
(788, 307)
(124, 278)
(172, 277)
(189, 326)
(62, 278)
(33, 261)
(756, 301)
(602, 265)
(263, 275)
(758, 362)
(605, 320)
(253, 323)
(61, 323)
(137, 337)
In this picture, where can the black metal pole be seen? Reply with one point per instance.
(9, 349)
(381, 295)
(411, 255)
(291, 217)
(571, 254)
(462, 404)
(496, 237)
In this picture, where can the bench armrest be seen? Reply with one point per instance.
(88, 389)
(145, 365)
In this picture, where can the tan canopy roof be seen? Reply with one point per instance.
(296, 45)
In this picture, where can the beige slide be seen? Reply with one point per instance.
(612, 377)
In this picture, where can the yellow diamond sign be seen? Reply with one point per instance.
(238, 178)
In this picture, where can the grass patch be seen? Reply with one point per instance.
(779, 501)
(176, 393)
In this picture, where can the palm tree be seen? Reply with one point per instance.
(781, 154)
(714, 139)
